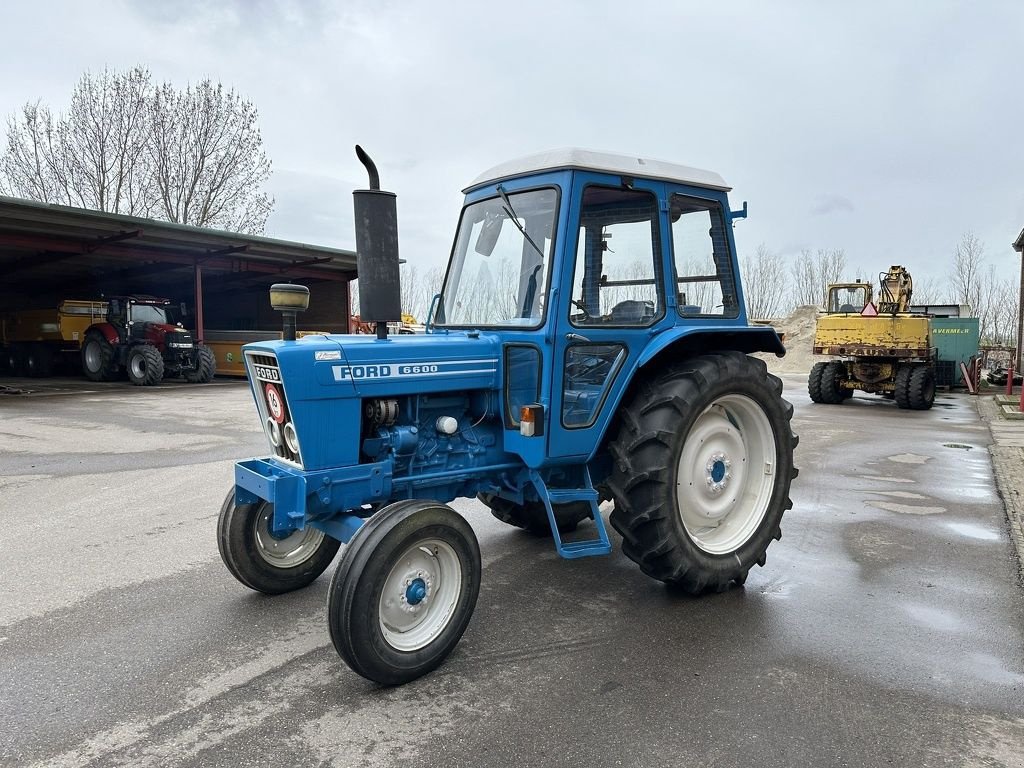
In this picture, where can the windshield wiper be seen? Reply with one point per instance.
(511, 213)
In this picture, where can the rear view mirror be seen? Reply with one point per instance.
(489, 232)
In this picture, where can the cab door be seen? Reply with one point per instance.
(613, 300)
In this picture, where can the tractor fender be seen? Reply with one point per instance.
(696, 341)
(106, 329)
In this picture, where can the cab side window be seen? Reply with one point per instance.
(705, 283)
(618, 264)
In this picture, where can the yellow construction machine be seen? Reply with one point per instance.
(874, 347)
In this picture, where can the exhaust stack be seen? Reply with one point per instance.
(376, 223)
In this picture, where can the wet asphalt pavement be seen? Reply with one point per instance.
(887, 627)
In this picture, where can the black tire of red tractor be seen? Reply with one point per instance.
(105, 368)
(532, 517)
(206, 367)
(646, 454)
(831, 383)
(814, 382)
(354, 600)
(901, 393)
(921, 390)
(39, 361)
(145, 366)
(239, 549)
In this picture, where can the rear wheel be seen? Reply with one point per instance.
(206, 367)
(145, 366)
(532, 517)
(703, 465)
(39, 361)
(404, 592)
(921, 388)
(832, 377)
(814, 382)
(98, 358)
(264, 561)
(17, 360)
(901, 392)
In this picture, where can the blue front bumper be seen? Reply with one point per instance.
(321, 498)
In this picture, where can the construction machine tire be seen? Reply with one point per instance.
(901, 393)
(39, 361)
(145, 366)
(814, 382)
(831, 383)
(703, 462)
(98, 358)
(921, 389)
(264, 562)
(532, 517)
(206, 367)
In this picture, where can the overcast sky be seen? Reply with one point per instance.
(887, 129)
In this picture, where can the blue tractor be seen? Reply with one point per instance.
(589, 344)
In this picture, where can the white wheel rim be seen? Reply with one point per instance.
(726, 474)
(138, 366)
(420, 595)
(284, 551)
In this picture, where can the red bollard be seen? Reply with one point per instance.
(1009, 381)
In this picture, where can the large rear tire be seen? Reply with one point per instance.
(404, 592)
(206, 367)
(814, 382)
(702, 468)
(145, 366)
(901, 392)
(265, 562)
(532, 517)
(98, 358)
(921, 388)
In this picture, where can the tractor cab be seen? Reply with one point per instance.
(847, 298)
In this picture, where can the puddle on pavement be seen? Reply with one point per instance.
(972, 531)
(909, 458)
(905, 509)
(943, 621)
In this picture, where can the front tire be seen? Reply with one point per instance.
(901, 390)
(404, 591)
(703, 465)
(145, 366)
(921, 388)
(263, 561)
(206, 367)
(832, 377)
(814, 382)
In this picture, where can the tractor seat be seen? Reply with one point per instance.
(631, 313)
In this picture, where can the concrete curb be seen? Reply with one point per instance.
(1008, 467)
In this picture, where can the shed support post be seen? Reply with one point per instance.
(199, 303)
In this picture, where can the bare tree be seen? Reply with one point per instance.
(125, 146)
(764, 282)
(812, 273)
(964, 283)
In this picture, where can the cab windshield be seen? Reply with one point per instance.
(499, 267)
(147, 313)
(847, 298)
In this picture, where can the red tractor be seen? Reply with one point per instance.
(138, 336)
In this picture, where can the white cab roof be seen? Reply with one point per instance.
(586, 159)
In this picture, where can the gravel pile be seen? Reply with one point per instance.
(799, 330)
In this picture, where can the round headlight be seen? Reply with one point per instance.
(290, 438)
(274, 432)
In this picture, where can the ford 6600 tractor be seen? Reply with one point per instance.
(589, 344)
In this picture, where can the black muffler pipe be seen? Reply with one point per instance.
(376, 222)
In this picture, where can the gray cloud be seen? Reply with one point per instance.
(831, 204)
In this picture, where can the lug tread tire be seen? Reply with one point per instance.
(532, 517)
(831, 378)
(901, 393)
(814, 382)
(646, 454)
(921, 388)
(39, 361)
(153, 371)
(237, 546)
(108, 369)
(352, 604)
(206, 367)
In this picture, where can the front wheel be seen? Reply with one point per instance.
(263, 560)
(404, 591)
(206, 367)
(145, 366)
(703, 465)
